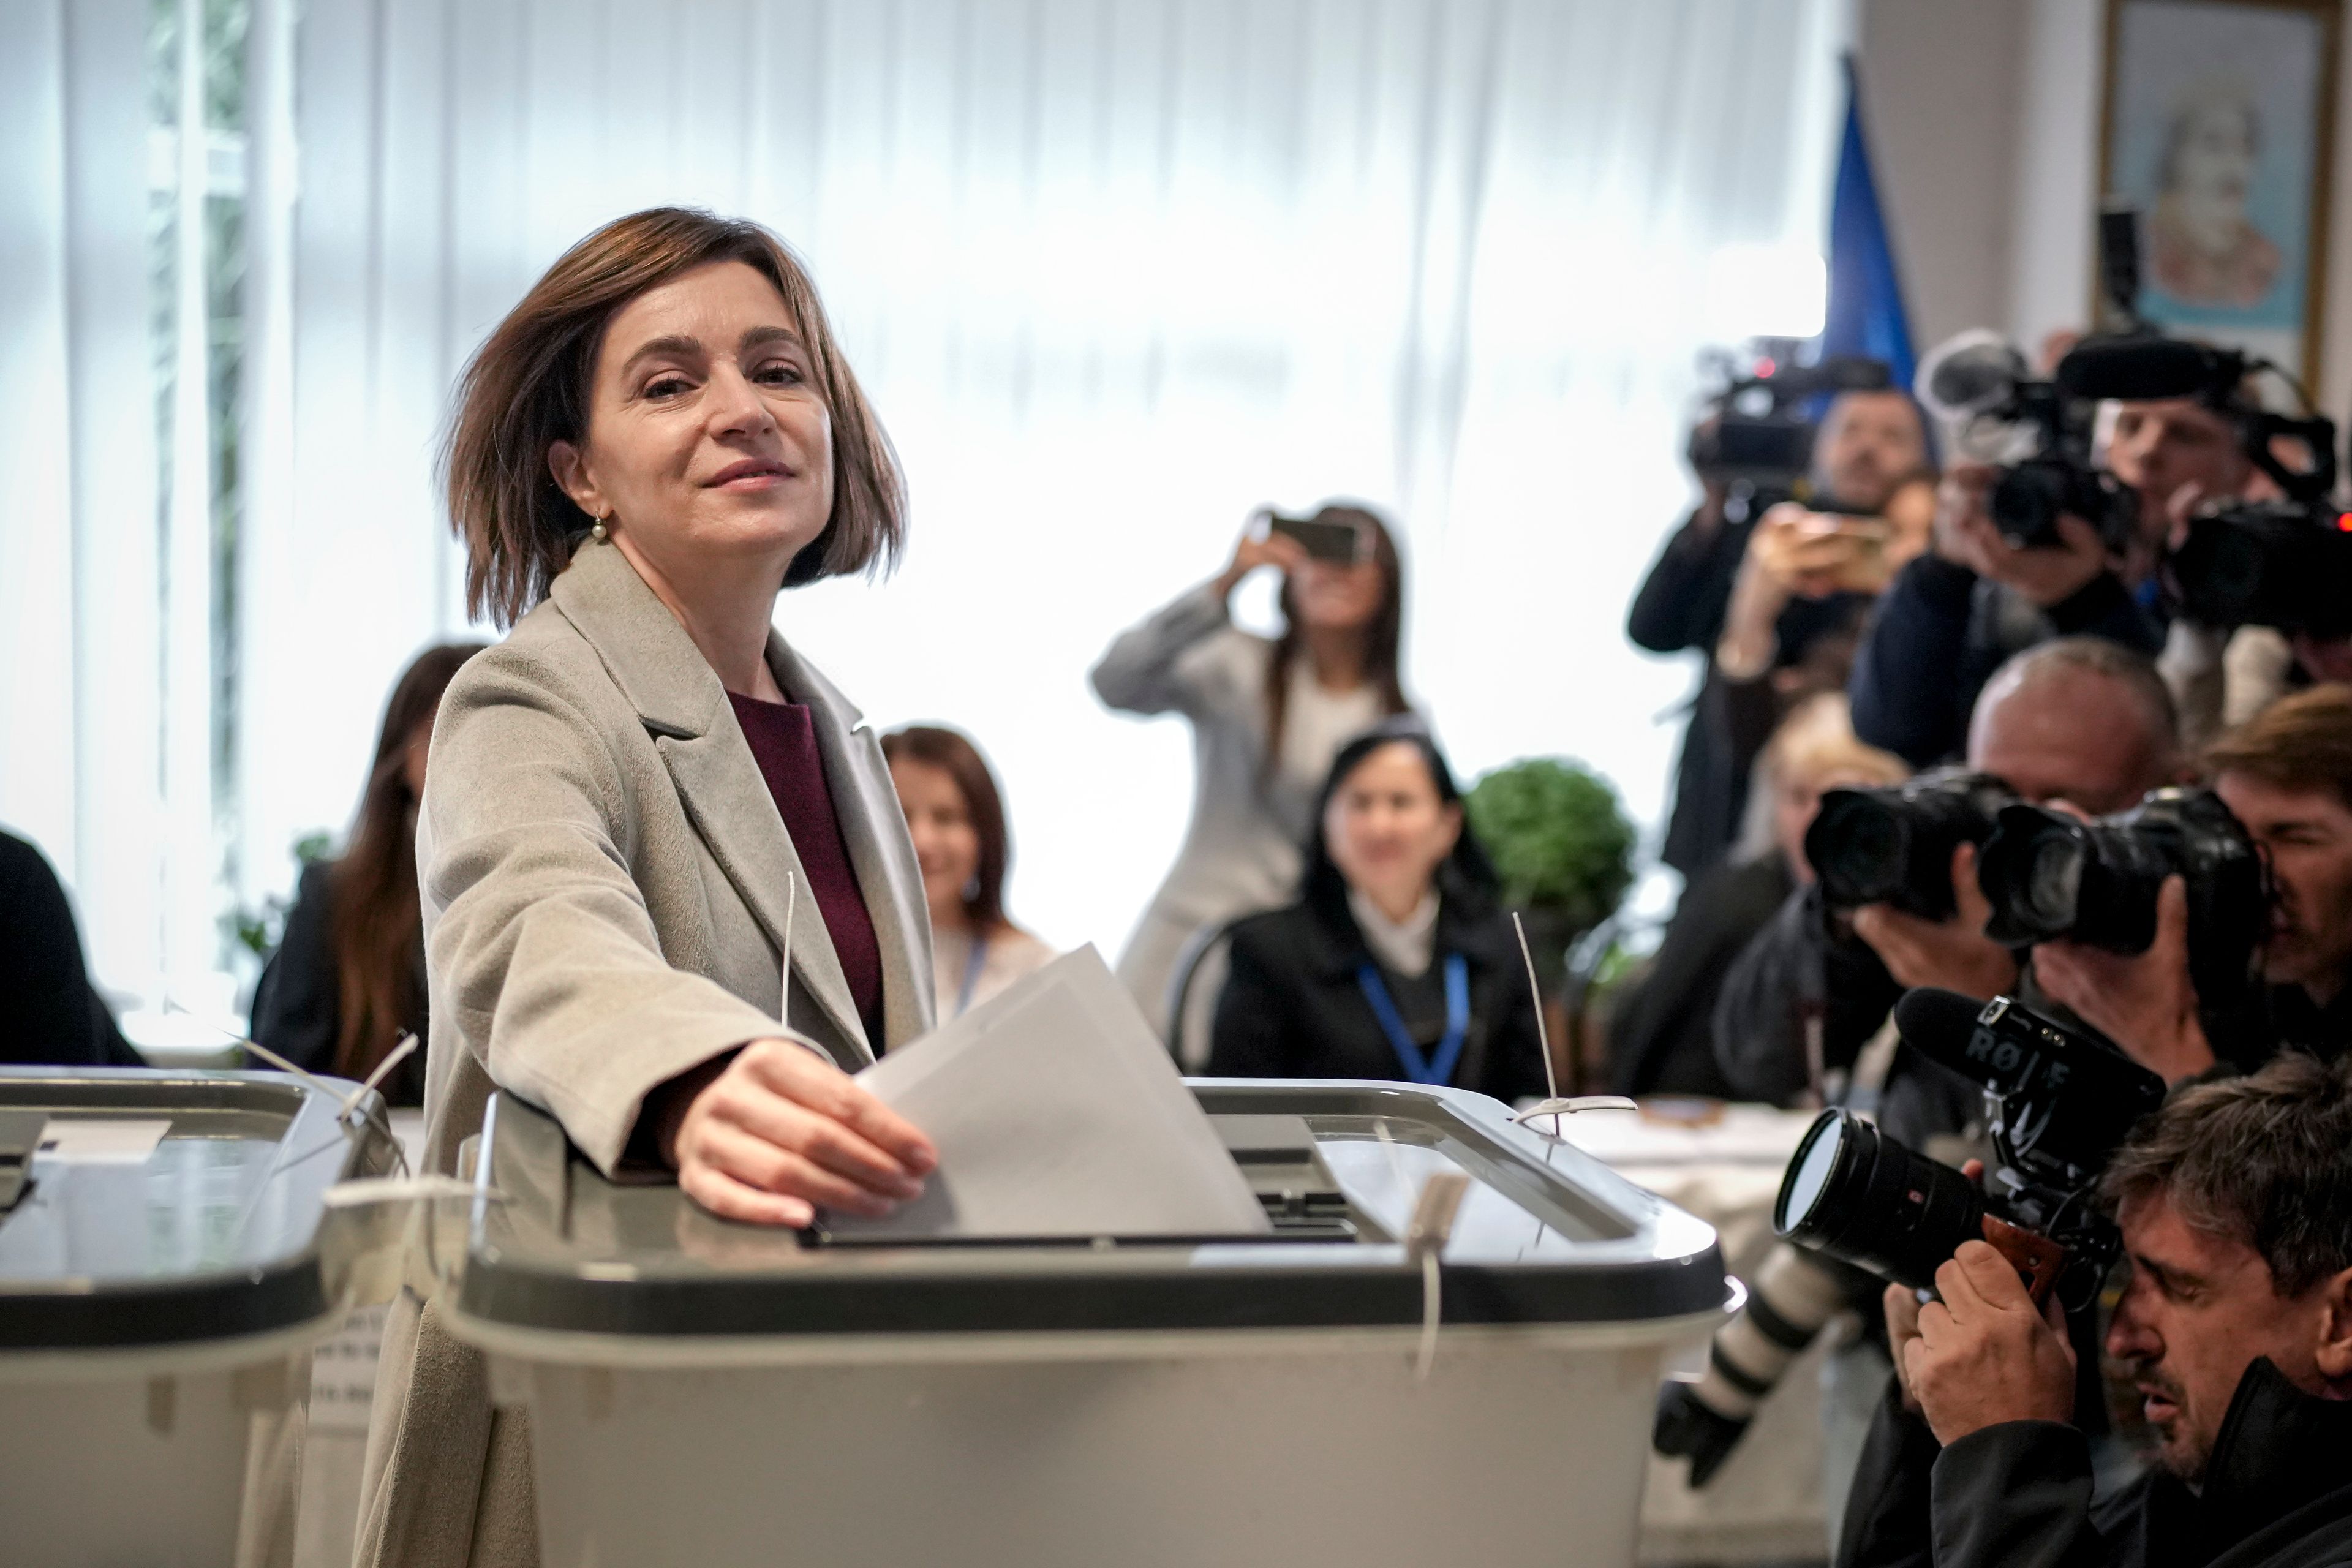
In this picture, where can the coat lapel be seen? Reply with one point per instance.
(682, 704)
(875, 829)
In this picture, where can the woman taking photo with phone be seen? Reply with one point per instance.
(1267, 715)
(644, 798)
(1397, 960)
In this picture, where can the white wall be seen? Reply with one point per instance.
(1940, 94)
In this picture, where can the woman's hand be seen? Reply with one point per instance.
(779, 1130)
(1260, 546)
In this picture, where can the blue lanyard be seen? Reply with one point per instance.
(972, 964)
(1419, 1068)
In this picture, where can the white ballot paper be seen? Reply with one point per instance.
(1056, 1112)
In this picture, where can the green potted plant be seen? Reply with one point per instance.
(1563, 848)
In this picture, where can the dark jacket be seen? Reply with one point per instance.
(1682, 605)
(2297, 1023)
(2278, 1494)
(1293, 1006)
(1662, 1027)
(1940, 631)
(1805, 964)
(52, 1016)
(298, 1003)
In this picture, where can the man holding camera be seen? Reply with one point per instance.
(2235, 1205)
(1794, 582)
(2080, 721)
(1953, 615)
(2286, 775)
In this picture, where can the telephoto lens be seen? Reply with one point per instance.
(1894, 846)
(2049, 876)
(1857, 1195)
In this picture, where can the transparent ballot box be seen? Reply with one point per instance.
(706, 1392)
(162, 1284)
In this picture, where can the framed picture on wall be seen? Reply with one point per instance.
(2220, 129)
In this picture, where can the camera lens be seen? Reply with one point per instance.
(1894, 846)
(1855, 846)
(2025, 503)
(2055, 880)
(2031, 873)
(1808, 1174)
(1857, 1195)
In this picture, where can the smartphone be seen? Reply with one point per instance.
(1346, 543)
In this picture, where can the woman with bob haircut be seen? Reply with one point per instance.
(644, 798)
(1397, 961)
(955, 814)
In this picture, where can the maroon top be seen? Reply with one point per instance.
(783, 743)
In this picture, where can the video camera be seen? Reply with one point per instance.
(2285, 563)
(2058, 1103)
(1893, 845)
(2049, 876)
(1756, 430)
(2038, 430)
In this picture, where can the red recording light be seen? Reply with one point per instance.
(1765, 367)
(2344, 522)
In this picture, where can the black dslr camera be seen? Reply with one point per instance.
(2048, 875)
(1894, 846)
(2280, 564)
(1756, 431)
(2057, 1102)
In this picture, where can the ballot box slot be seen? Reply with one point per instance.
(1276, 1154)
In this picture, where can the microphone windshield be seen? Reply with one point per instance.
(2141, 368)
(1975, 372)
(1937, 1023)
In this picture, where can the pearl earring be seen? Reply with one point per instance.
(597, 529)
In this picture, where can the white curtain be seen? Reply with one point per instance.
(1114, 271)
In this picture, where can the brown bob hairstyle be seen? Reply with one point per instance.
(983, 899)
(530, 385)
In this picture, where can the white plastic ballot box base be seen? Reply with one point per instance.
(149, 1465)
(704, 1393)
(1302, 1447)
(164, 1278)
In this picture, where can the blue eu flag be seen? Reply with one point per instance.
(1866, 314)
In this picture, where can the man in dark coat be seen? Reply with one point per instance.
(2235, 1204)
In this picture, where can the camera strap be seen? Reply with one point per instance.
(1419, 1068)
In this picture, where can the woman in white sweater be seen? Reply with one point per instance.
(1267, 716)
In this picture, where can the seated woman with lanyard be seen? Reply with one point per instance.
(1397, 961)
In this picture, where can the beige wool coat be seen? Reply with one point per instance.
(605, 881)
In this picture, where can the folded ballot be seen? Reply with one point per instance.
(1056, 1112)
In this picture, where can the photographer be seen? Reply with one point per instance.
(2235, 1205)
(1792, 584)
(1953, 615)
(2080, 721)
(2286, 775)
